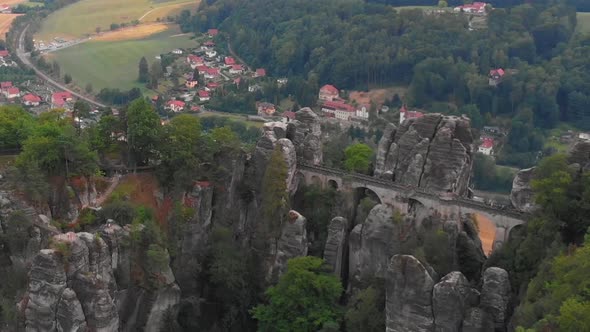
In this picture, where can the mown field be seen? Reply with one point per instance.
(83, 17)
(583, 23)
(114, 63)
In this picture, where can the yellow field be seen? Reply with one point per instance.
(137, 32)
(169, 10)
(6, 21)
(84, 17)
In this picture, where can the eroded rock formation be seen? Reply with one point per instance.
(449, 300)
(434, 152)
(337, 245)
(521, 194)
(495, 294)
(408, 295)
(85, 282)
(291, 244)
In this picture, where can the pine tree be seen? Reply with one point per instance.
(144, 75)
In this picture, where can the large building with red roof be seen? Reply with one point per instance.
(328, 93)
(59, 99)
(472, 8)
(405, 114)
(11, 92)
(31, 100)
(175, 105)
(486, 147)
(338, 110)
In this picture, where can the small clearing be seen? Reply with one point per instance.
(170, 10)
(136, 32)
(378, 96)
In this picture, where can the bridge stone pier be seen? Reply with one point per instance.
(403, 197)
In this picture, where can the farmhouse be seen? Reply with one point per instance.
(486, 147)
(260, 72)
(236, 69)
(204, 95)
(5, 9)
(175, 105)
(496, 76)
(338, 110)
(404, 114)
(211, 73)
(265, 109)
(4, 54)
(11, 93)
(5, 85)
(31, 100)
(229, 61)
(195, 61)
(212, 32)
(328, 93)
(472, 8)
(59, 99)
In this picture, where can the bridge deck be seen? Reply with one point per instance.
(413, 192)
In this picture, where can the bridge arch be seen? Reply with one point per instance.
(333, 184)
(315, 181)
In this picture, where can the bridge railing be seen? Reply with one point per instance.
(413, 191)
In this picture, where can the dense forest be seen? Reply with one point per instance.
(445, 63)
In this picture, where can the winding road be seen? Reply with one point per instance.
(24, 57)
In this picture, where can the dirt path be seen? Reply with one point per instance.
(102, 198)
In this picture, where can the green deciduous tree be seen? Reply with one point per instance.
(183, 150)
(365, 311)
(15, 126)
(358, 158)
(143, 131)
(305, 299)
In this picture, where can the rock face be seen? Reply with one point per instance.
(434, 152)
(580, 155)
(194, 236)
(371, 244)
(449, 300)
(291, 244)
(521, 194)
(305, 133)
(495, 295)
(477, 320)
(47, 281)
(408, 296)
(336, 245)
(70, 316)
(90, 283)
(289, 154)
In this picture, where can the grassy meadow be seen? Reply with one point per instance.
(114, 63)
(83, 17)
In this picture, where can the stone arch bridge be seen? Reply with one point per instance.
(402, 197)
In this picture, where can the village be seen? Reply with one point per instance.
(206, 69)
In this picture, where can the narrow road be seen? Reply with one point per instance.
(24, 57)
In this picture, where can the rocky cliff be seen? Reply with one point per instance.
(84, 282)
(521, 194)
(416, 302)
(434, 152)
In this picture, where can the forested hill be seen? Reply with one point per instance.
(581, 5)
(354, 44)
